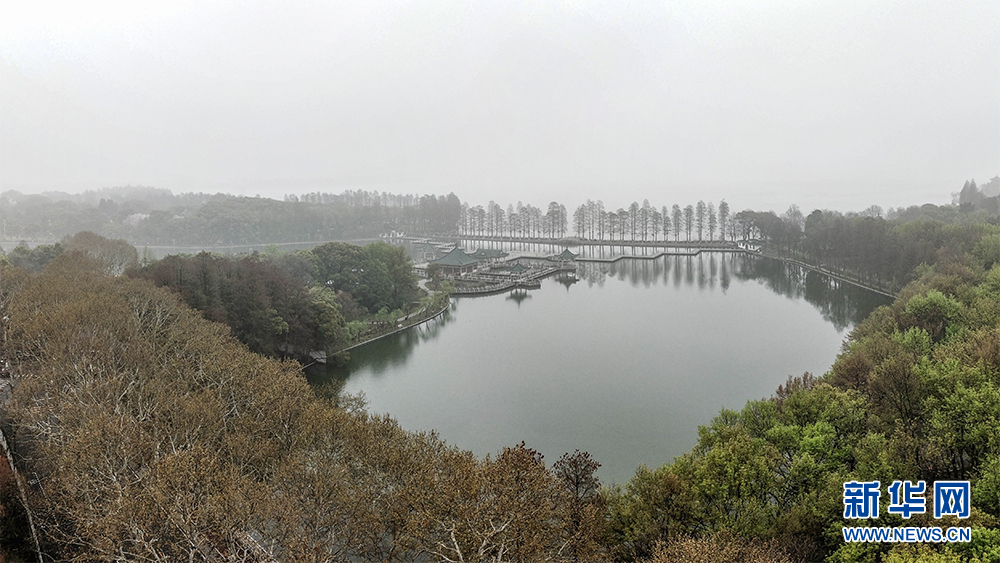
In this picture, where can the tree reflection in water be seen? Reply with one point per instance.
(386, 352)
(839, 303)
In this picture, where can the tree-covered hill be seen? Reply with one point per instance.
(149, 434)
(292, 304)
(147, 216)
(915, 395)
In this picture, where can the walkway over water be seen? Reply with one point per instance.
(669, 248)
(664, 253)
(531, 280)
(448, 240)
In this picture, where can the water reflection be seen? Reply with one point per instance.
(567, 279)
(626, 371)
(841, 304)
(518, 295)
(385, 353)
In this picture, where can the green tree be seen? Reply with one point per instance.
(713, 222)
(688, 221)
(701, 210)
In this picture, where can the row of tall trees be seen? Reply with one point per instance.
(523, 221)
(647, 223)
(591, 221)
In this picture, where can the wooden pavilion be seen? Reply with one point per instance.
(565, 256)
(456, 262)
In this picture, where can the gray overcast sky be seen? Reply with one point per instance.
(825, 104)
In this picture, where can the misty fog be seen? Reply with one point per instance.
(766, 104)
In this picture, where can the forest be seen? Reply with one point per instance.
(146, 216)
(282, 305)
(146, 425)
(291, 304)
(150, 216)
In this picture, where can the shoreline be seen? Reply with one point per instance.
(397, 330)
(495, 291)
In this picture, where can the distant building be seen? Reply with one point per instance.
(456, 262)
(427, 252)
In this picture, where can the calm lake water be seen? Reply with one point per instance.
(625, 363)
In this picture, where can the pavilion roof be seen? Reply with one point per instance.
(455, 258)
(566, 255)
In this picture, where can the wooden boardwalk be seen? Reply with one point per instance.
(531, 280)
(665, 253)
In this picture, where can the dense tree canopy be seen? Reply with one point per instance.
(294, 303)
(915, 395)
(377, 275)
(151, 434)
(267, 309)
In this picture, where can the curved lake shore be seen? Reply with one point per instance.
(624, 361)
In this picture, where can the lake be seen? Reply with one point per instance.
(624, 361)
